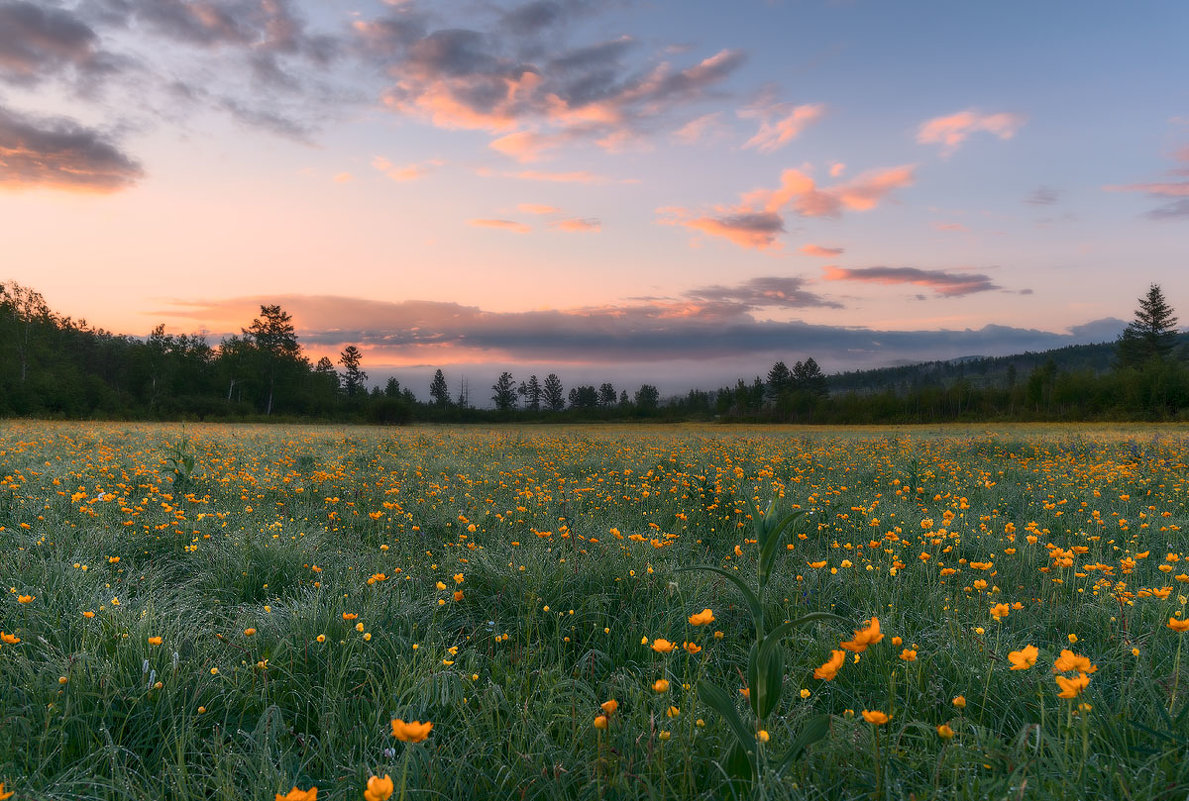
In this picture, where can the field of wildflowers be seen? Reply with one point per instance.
(300, 613)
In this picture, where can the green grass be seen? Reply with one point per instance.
(274, 534)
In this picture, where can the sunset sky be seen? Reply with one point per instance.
(673, 192)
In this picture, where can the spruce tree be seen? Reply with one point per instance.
(1151, 335)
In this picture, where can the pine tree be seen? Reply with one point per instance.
(504, 392)
(438, 391)
(353, 377)
(552, 393)
(1151, 335)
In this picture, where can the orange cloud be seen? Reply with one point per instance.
(577, 224)
(953, 226)
(756, 230)
(701, 129)
(537, 208)
(952, 130)
(821, 252)
(506, 225)
(576, 177)
(406, 172)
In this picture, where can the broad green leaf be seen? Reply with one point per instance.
(771, 678)
(813, 617)
(814, 729)
(738, 763)
(757, 612)
(718, 700)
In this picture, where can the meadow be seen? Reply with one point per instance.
(240, 612)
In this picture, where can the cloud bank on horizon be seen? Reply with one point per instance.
(584, 181)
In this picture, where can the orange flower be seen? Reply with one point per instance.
(875, 717)
(661, 685)
(864, 637)
(4, 795)
(609, 707)
(413, 732)
(24, 599)
(249, 632)
(11, 639)
(691, 647)
(299, 795)
(1023, 658)
(378, 789)
(349, 615)
(600, 722)
(662, 646)
(701, 618)
(945, 732)
(1068, 661)
(155, 640)
(908, 655)
(999, 611)
(1178, 625)
(1072, 688)
(829, 670)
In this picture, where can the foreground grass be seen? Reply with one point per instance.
(308, 585)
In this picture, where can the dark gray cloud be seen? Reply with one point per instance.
(538, 94)
(1042, 196)
(37, 42)
(783, 292)
(658, 333)
(62, 154)
(1177, 210)
(940, 281)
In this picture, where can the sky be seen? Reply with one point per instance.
(678, 193)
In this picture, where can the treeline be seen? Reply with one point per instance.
(53, 366)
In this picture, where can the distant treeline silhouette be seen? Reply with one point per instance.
(53, 366)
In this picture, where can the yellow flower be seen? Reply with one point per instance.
(155, 640)
(1178, 625)
(864, 637)
(349, 615)
(413, 732)
(763, 736)
(600, 722)
(829, 670)
(441, 585)
(959, 701)
(609, 707)
(321, 638)
(908, 655)
(999, 611)
(378, 789)
(663, 646)
(945, 732)
(1071, 688)
(701, 618)
(88, 614)
(661, 685)
(299, 795)
(875, 717)
(458, 578)
(1023, 658)
(249, 632)
(673, 712)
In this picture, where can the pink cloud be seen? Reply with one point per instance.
(576, 177)
(578, 225)
(756, 230)
(952, 130)
(506, 225)
(821, 252)
(836, 169)
(953, 226)
(780, 124)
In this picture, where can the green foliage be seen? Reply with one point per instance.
(745, 758)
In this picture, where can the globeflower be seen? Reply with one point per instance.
(1072, 688)
(4, 795)
(378, 789)
(413, 732)
(875, 717)
(1178, 625)
(830, 669)
(609, 707)
(1068, 661)
(155, 640)
(1023, 658)
(299, 795)
(663, 646)
(864, 637)
(999, 611)
(701, 618)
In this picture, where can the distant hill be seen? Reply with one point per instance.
(980, 372)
